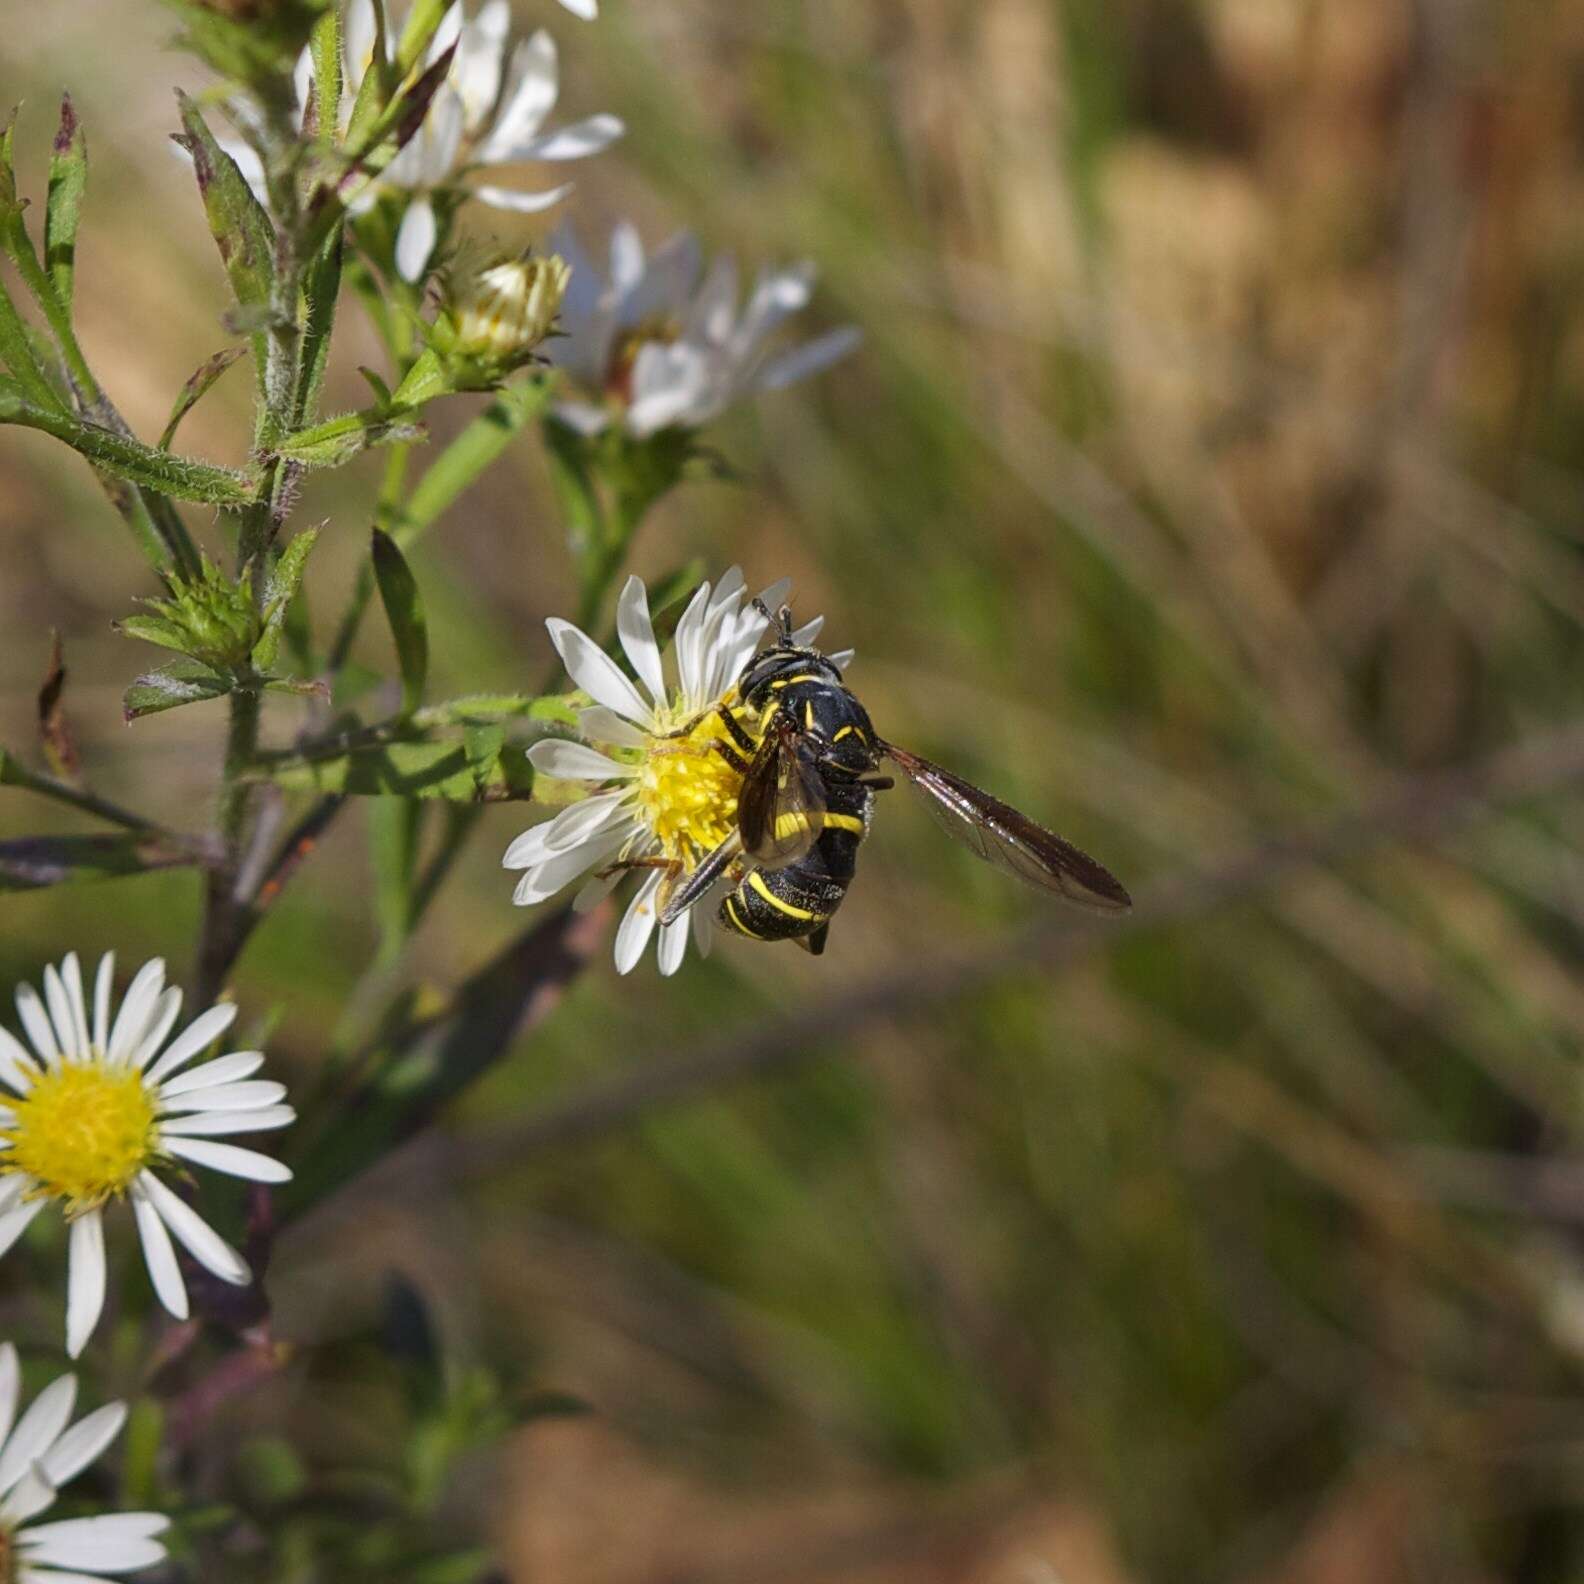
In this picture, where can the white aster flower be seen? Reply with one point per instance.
(661, 344)
(38, 1454)
(472, 121)
(98, 1107)
(669, 798)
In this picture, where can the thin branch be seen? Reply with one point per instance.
(1420, 810)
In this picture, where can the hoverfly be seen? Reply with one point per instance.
(809, 780)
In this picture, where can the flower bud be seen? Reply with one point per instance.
(503, 311)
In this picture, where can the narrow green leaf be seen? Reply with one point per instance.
(398, 592)
(155, 630)
(237, 220)
(68, 176)
(176, 476)
(279, 592)
(482, 708)
(183, 682)
(423, 21)
(37, 861)
(325, 46)
(375, 88)
(322, 288)
(394, 828)
(196, 388)
(16, 352)
(469, 454)
(338, 440)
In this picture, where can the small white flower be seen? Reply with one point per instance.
(39, 1454)
(668, 797)
(472, 121)
(95, 1109)
(660, 343)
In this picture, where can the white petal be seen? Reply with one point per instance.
(228, 1097)
(560, 869)
(584, 821)
(158, 1255)
(36, 1431)
(530, 96)
(582, 418)
(587, 9)
(231, 1159)
(715, 306)
(673, 946)
(841, 658)
(36, 1021)
(10, 1386)
(216, 1123)
(226, 1069)
(13, 1223)
(595, 672)
(671, 385)
(65, 991)
(85, 1280)
(416, 239)
(32, 1494)
(637, 925)
(195, 1234)
(17, 1068)
(626, 259)
(668, 280)
(104, 982)
(515, 202)
(166, 1010)
(595, 891)
(809, 358)
(528, 849)
(687, 646)
(805, 635)
(576, 141)
(636, 633)
(105, 1543)
(702, 917)
(49, 1575)
(84, 1442)
(136, 1009)
(777, 294)
(196, 1038)
(572, 761)
(598, 724)
(476, 66)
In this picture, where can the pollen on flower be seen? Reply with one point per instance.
(82, 1132)
(687, 792)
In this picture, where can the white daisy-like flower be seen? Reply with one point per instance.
(38, 1454)
(660, 343)
(668, 798)
(99, 1106)
(472, 121)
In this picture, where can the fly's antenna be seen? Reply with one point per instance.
(781, 618)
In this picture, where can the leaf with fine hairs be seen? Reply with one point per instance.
(68, 176)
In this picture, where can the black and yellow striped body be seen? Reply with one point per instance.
(796, 902)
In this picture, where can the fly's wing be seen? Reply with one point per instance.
(781, 808)
(674, 905)
(1010, 840)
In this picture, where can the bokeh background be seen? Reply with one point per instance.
(1211, 471)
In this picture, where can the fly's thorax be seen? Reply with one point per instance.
(773, 670)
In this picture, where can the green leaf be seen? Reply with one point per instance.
(398, 592)
(423, 22)
(322, 289)
(237, 220)
(16, 352)
(279, 592)
(485, 707)
(399, 769)
(469, 454)
(176, 476)
(338, 440)
(325, 46)
(68, 176)
(33, 862)
(183, 682)
(394, 827)
(196, 388)
(155, 630)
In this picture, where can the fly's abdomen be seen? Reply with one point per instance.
(789, 903)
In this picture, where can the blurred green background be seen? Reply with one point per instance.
(1211, 468)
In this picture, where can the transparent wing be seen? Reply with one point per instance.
(1011, 841)
(675, 903)
(781, 808)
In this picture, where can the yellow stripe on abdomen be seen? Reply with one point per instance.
(757, 882)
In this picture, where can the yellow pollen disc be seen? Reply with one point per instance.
(687, 792)
(82, 1132)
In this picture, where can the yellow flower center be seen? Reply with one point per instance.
(82, 1132)
(687, 792)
